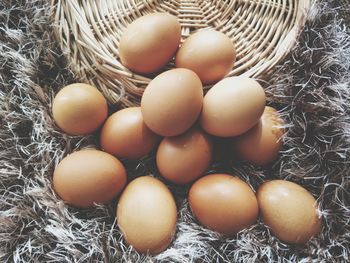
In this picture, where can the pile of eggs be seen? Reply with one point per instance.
(180, 123)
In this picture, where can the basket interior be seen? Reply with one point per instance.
(89, 32)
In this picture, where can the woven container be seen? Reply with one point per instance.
(89, 32)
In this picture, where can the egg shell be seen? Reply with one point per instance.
(89, 176)
(79, 109)
(289, 210)
(125, 135)
(262, 143)
(150, 42)
(223, 203)
(209, 53)
(232, 106)
(147, 215)
(184, 158)
(172, 102)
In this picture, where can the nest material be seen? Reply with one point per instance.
(311, 87)
(89, 32)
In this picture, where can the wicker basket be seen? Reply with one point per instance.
(89, 32)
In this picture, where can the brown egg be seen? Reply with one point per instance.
(209, 53)
(150, 42)
(289, 210)
(184, 158)
(79, 109)
(223, 203)
(125, 135)
(147, 214)
(172, 102)
(261, 144)
(89, 176)
(232, 106)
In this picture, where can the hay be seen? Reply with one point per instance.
(311, 87)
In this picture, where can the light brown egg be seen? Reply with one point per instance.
(147, 214)
(184, 158)
(79, 109)
(125, 135)
(172, 102)
(150, 42)
(209, 53)
(89, 176)
(262, 143)
(223, 203)
(289, 210)
(232, 106)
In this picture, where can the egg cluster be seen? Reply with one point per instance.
(178, 121)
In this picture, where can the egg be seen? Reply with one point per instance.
(172, 102)
(209, 53)
(232, 106)
(79, 109)
(146, 215)
(261, 144)
(150, 42)
(125, 135)
(184, 158)
(289, 210)
(89, 176)
(223, 203)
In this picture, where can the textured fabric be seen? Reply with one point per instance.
(310, 88)
(345, 11)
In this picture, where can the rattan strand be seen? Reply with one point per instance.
(89, 32)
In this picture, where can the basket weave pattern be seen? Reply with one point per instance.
(89, 32)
